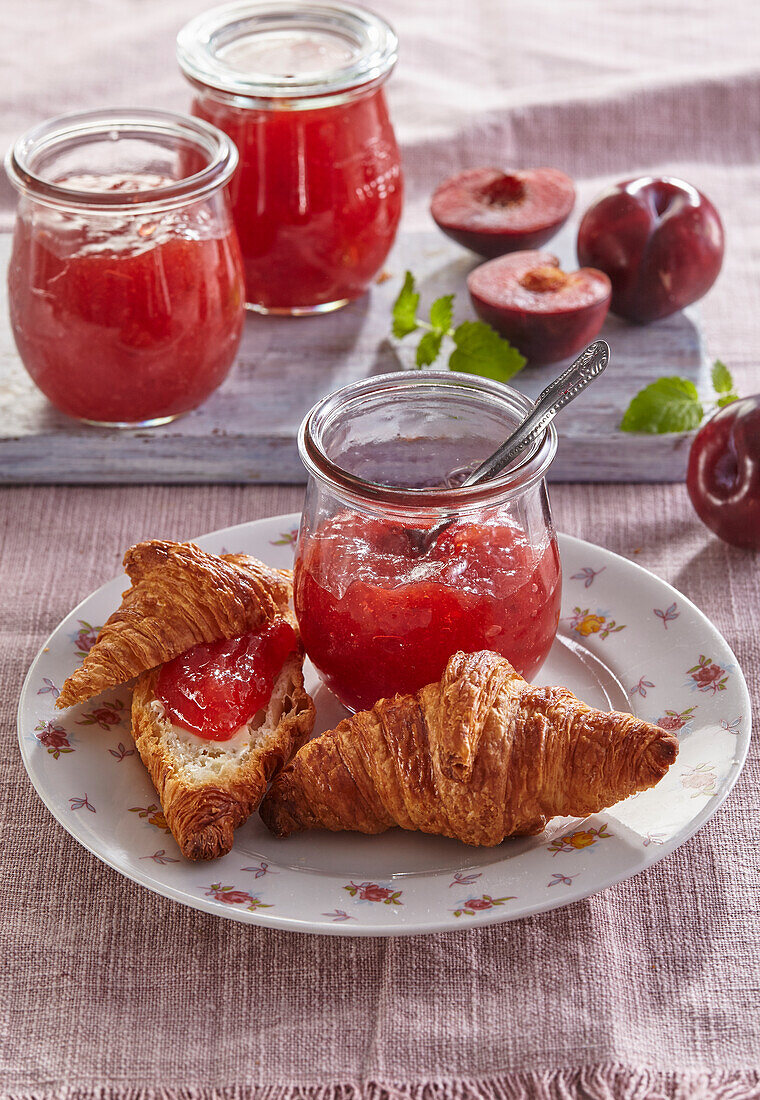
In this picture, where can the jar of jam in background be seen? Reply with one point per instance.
(377, 614)
(317, 197)
(125, 282)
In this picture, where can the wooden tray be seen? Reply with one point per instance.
(246, 431)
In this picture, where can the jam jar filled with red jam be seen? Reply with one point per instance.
(380, 607)
(125, 283)
(318, 192)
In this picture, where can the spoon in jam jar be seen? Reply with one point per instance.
(564, 389)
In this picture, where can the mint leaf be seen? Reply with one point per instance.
(429, 348)
(480, 350)
(667, 405)
(405, 308)
(721, 378)
(727, 399)
(441, 313)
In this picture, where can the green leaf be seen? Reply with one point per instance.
(721, 378)
(429, 348)
(480, 350)
(667, 405)
(405, 308)
(727, 399)
(441, 313)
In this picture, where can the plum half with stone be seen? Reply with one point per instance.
(547, 313)
(492, 212)
(659, 239)
(723, 475)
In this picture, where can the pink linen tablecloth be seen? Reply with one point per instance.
(649, 990)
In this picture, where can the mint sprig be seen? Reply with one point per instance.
(672, 404)
(478, 349)
(723, 384)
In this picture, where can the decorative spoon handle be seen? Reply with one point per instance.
(561, 392)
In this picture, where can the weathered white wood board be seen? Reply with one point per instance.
(246, 431)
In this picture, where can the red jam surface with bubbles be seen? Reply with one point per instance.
(212, 690)
(130, 318)
(316, 198)
(376, 618)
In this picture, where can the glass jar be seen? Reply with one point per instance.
(317, 197)
(125, 282)
(378, 615)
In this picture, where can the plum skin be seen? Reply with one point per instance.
(723, 474)
(659, 239)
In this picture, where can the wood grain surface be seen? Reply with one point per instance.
(246, 432)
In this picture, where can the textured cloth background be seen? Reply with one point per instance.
(108, 990)
(646, 991)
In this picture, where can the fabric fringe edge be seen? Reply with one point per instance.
(613, 1081)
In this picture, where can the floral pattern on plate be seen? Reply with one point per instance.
(675, 670)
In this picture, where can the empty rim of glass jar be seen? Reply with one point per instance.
(507, 486)
(202, 42)
(44, 143)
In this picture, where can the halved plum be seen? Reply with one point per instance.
(492, 212)
(547, 313)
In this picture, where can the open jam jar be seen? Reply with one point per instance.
(317, 197)
(125, 282)
(380, 614)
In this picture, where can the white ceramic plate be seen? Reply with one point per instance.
(627, 640)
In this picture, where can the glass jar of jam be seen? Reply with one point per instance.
(125, 282)
(379, 611)
(317, 197)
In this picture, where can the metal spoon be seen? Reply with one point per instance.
(588, 366)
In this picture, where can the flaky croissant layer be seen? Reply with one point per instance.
(479, 756)
(180, 596)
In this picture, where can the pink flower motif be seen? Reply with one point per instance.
(54, 738)
(85, 637)
(673, 720)
(701, 779)
(233, 897)
(473, 905)
(372, 891)
(104, 716)
(708, 676)
(229, 896)
(478, 903)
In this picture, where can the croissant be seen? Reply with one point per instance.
(180, 596)
(207, 789)
(479, 756)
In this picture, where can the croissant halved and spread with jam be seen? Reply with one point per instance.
(219, 703)
(219, 709)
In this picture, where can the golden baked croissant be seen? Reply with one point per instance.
(180, 596)
(208, 788)
(479, 756)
